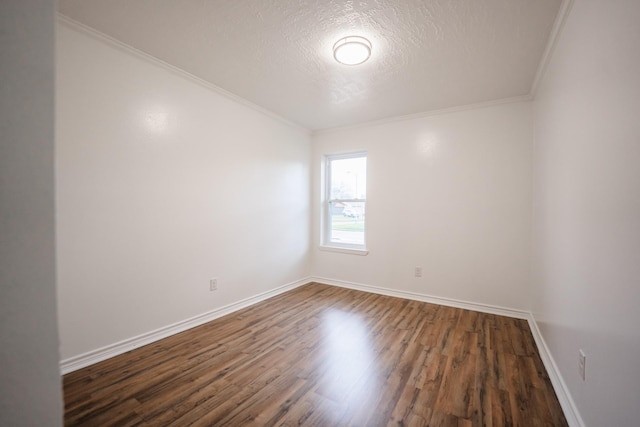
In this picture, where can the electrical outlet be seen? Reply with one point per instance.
(213, 284)
(418, 272)
(582, 364)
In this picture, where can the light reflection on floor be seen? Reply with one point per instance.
(348, 359)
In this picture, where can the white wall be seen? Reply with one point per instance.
(450, 193)
(587, 209)
(163, 184)
(30, 386)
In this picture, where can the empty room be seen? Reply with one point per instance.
(330, 213)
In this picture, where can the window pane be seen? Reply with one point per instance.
(349, 178)
(347, 223)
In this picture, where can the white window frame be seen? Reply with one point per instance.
(326, 243)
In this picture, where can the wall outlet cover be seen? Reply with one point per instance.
(582, 364)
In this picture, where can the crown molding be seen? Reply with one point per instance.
(428, 113)
(558, 26)
(123, 47)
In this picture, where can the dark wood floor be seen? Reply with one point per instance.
(325, 356)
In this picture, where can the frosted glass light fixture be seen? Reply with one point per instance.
(352, 50)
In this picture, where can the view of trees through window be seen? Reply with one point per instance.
(347, 176)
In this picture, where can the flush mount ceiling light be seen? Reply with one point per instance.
(352, 50)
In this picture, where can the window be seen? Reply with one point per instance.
(345, 200)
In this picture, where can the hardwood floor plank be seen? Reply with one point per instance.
(325, 356)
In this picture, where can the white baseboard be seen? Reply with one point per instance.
(564, 396)
(449, 302)
(562, 391)
(86, 359)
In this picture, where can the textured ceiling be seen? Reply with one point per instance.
(427, 54)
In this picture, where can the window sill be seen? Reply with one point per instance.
(350, 251)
